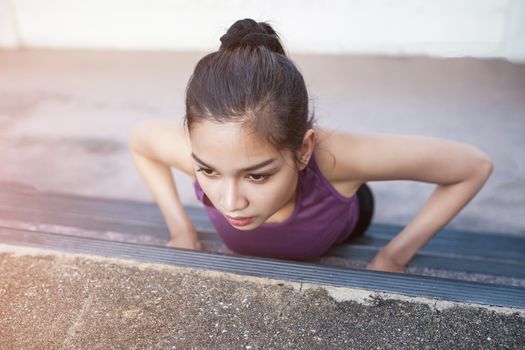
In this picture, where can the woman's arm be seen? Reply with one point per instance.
(442, 206)
(155, 146)
(459, 170)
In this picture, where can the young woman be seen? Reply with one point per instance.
(273, 183)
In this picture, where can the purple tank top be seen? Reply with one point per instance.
(322, 217)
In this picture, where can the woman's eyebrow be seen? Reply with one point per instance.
(250, 168)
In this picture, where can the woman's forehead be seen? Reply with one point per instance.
(230, 146)
(234, 135)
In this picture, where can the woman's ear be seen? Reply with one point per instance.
(307, 148)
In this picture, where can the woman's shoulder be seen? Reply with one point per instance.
(342, 156)
(330, 146)
(165, 141)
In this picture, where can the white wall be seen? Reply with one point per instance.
(9, 38)
(479, 28)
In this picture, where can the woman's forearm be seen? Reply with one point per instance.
(159, 180)
(441, 207)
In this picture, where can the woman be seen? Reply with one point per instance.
(273, 183)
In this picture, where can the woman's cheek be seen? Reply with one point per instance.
(209, 188)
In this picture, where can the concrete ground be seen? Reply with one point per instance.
(65, 118)
(75, 301)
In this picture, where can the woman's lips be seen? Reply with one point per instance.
(240, 221)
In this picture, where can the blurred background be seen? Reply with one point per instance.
(75, 76)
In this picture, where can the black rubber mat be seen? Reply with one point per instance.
(465, 251)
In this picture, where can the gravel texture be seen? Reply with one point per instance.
(68, 301)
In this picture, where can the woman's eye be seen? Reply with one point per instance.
(207, 172)
(259, 177)
(253, 177)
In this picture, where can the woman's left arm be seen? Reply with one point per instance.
(441, 207)
(459, 170)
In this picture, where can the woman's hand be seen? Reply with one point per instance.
(184, 242)
(183, 236)
(382, 263)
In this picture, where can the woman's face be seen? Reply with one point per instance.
(241, 174)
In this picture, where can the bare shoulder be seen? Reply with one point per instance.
(359, 157)
(163, 140)
(330, 146)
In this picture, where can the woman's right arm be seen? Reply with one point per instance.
(155, 146)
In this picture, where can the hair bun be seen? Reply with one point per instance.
(247, 32)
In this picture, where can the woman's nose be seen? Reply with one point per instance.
(232, 198)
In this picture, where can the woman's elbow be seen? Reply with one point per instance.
(484, 166)
(489, 167)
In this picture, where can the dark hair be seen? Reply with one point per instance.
(250, 80)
